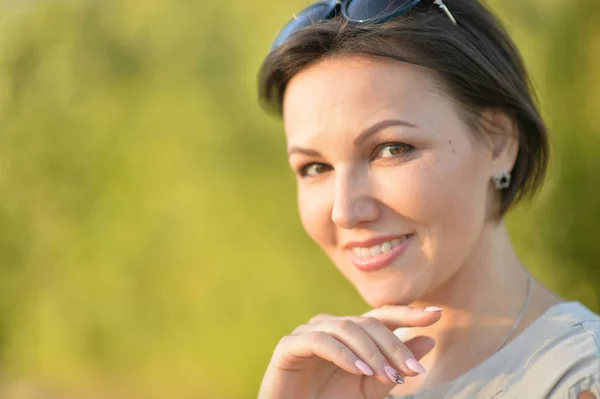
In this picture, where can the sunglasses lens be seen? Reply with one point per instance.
(315, 13)
(376, 10)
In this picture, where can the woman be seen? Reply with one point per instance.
(412, 130)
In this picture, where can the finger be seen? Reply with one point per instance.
(323, 345)
(397, 353)
(320, 317)
(314, 320)
(404, 316)
(420, 346)
(360, 343)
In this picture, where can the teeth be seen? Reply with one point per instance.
(378, 249)
(386, 246)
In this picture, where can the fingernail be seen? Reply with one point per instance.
(393, 375)
(433, 309)
(363, 367)
(415, 366)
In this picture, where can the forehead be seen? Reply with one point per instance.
(356, 90)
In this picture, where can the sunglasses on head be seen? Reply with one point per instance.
(355, 11)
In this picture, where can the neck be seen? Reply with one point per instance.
(481, 303)
(491, 281)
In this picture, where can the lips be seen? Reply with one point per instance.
(377, 253)
(377, 249)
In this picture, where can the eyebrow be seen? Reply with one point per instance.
(361, 138)
(305, 151)
(370, 131)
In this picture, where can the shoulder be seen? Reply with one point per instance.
(582, 379)
(565, 357)
(582, 376)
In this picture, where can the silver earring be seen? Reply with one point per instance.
(502, 180)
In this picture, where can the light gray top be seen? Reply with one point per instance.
(557, 356)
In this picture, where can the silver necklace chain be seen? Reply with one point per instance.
(520, 317)
(516, 323)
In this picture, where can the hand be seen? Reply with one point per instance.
(355, 357)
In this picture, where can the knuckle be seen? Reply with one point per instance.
(283, 342)
(399, 350)
(299, 329)
(317, 337)
(370, 322)
(320, 317)
(344, 353)
(376, 357)
(344, 325)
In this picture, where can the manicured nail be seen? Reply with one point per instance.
(393, 375)
(433, 309)
(415, 366)
(363, 367)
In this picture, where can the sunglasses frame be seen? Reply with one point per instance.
(336, 7)
(377, 20)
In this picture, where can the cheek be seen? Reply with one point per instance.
(428, 185)
(443, 197)
(315, 213)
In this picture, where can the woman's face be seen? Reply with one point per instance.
(392, 184)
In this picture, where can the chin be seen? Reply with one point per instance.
(397, 294)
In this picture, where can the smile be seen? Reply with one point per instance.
(378, 249)
(376, 257)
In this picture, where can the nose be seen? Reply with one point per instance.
(353, 202)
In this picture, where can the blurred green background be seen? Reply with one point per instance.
(149, 240)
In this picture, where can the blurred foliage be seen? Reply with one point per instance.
(149, 242)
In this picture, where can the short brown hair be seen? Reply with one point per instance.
(476, 61)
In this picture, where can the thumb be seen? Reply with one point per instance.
(420, 346)
(404, 316)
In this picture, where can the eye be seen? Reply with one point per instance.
(314, 169)
(393, 150)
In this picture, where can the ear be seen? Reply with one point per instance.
(502, 136)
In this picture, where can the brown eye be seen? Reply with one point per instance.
(391, 150)
(314, 169)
